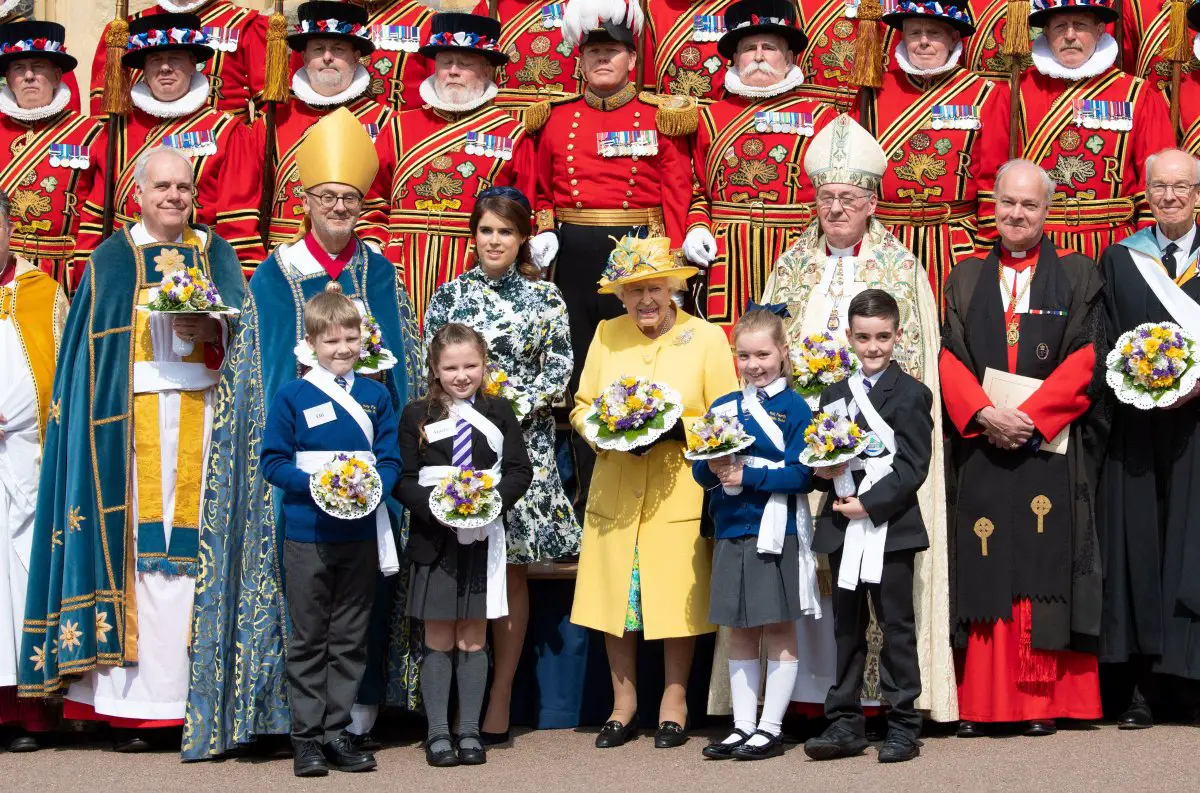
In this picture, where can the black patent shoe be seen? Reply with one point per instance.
(970, 729)
(772, 748)
(835, 743)
(309, 760)
(342, 755)
(471, 755)
(24, 742)
(446, 758)
(1138, 717)
(720, 750)
(669, 735)
(367, 742)
(494, 738)
(129, 742)
(899, 749)
(614, 733)
(1039, 728)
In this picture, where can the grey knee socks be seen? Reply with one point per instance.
(437, 669)
(471, 674)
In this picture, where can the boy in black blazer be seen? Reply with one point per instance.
(905, 405)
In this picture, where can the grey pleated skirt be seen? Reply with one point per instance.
(749, 588)
(452, 588)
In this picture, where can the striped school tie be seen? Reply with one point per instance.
(341, 381)
(462, 445)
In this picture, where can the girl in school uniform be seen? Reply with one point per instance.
(763, 571)
(457, 580)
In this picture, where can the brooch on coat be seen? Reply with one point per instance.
(683, 338)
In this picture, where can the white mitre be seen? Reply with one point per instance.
(845, 153)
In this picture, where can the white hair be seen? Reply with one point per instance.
(143, 161)
(1047, 182)
(674, 284)
(1154, 158)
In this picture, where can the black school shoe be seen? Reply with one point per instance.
(446, 758)
(1039, 728)
(342, 755)
(772, 748)
(719, 750)
(899, 748)
(367, 742)
(614, 733)
(835, 743)
(309, 760)
(471, 755)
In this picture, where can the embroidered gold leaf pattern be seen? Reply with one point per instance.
(69, 635)
(102, 626)
(840, 54)
(49, 184)
(539, 69)
(689, 83)
(74, 519)
(438, 185)
(1071, 169)
(921, 167)
(28, 205)
(751, 171)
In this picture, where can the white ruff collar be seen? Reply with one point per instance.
(1196, 46)
(905, 64)
(190, 102)
(1100, 62)
(304, 91)
(429, 94)
(180, 6)
(734, 84)
(8, 5)
(10, 108)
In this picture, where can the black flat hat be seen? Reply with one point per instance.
(148, 24)
(749, 17)
(33, 39)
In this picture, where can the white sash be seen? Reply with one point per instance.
(497, 553)
(862, 548)
(1182, 308)
(772, 527)
(389, 559)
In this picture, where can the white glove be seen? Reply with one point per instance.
(543, 248)
(700, 247)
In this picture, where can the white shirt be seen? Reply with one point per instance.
(348, 375)
(1184, 243)
(1015, 281)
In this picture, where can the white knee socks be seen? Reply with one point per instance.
(744, 680)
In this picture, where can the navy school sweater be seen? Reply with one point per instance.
(739, 516)
(289, 431)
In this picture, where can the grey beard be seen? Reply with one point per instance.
(329, 86)
(457, 95)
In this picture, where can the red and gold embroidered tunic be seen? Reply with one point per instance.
(239, 35)
(981, 50)
(540, 66)
(831, 32)
(681, 56)
(1146, 24)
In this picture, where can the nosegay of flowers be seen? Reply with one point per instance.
(187, 290)
(820, 361)
(1152, 365)
(831, 439)
(346, 487)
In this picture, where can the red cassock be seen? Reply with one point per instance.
(981, 50)
(928, 197)
(830, 54)
(228, 180)
(68, 78)
(539, 65)
(681, 58)
(419, 207)
(292, 120)
(48, 170)
(1001, 677)
(239, 35)
(1099, 173)
(1145, 27)
(752, 191)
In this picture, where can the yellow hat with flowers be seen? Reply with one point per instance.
(641, 259)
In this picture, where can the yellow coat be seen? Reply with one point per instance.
(650, 501)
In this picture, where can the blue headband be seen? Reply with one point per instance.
(778, 309)
(511, 193)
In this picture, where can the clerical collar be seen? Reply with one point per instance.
(302, 88)
(1020, 260)
(333, 265)
(907, 66)
(832, 251)
(428, 92)
(10, 108)
(197, 94)
(1184, 243)
(617, 100)
(734, 84)
(1100, 62)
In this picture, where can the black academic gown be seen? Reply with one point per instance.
(1149, 513)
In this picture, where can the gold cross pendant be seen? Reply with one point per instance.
(1014, 333)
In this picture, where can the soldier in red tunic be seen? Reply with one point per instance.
(927, 119)
(753, 198)
(681, 55)
(237, 34)
(331, 77)
(832, 27)
(50, 156)
(1090, 125)
(540, 65)
(170, 108)
(434, 160)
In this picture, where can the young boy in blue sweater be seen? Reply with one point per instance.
(763, 571)
(330, 563)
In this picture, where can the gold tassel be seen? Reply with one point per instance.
(115, 101)
(1178, 46)
(536, 116)
(1016, 30)
(275, 85)
(677, 116)
(867, 71)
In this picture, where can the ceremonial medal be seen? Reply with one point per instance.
(496, 146)
(708, 28)
(1013, 333)
(396, 38)
(638, 143)
(222, 39)
(852, 9)
(784, 123)
(372, 130)
(954, 117)
(552, 15)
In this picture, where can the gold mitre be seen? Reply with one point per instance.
(845, 153)
(337, 149)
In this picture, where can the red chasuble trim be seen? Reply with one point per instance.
(333, 264)
(1062, 397)
(961, 393)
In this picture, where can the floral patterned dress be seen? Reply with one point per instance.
(525, 324)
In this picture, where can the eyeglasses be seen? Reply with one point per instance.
(352, 201)
(847, 200)
(1158, 189)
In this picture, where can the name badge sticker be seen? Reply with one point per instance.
(440, 430)
(875, 447)
(725, 409)
(321, 414)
